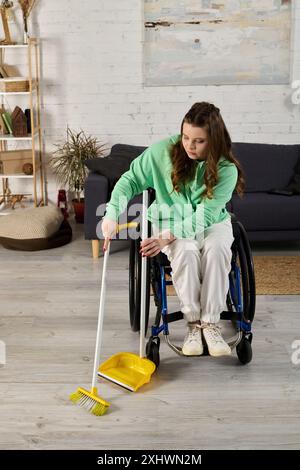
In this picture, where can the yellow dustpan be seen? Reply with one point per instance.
(127, 369)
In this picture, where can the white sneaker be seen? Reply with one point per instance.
(217, 346)
(192, 345)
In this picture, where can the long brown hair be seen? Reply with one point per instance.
(207, 116)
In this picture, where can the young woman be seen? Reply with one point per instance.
(194, 175)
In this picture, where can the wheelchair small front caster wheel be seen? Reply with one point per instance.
(244, 350)
(152, 350)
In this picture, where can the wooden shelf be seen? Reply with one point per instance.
(9, 137)
(13, 45)
(18, 92)
(33, 89)
(16, 176)
(20, 175)
(34, 139)
(15, 92)
(20, 45)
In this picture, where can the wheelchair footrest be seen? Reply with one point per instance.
(174, 316)
(230, 315)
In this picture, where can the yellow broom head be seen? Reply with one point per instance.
(90, 400)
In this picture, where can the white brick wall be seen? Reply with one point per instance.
(93, 79)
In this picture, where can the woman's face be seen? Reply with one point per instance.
(194, 141)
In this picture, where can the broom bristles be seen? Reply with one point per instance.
(95, 405)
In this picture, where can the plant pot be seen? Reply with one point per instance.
(79, 210)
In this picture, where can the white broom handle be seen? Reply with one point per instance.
(144, 275)
(100, 317)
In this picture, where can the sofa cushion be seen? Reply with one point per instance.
(263, 211)
(116, 163)
(266, 166)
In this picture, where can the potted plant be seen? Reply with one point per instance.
(68, 164)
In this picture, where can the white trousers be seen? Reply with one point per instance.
(200, 271)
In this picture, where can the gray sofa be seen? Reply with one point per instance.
(266, 216)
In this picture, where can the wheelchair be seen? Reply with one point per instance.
(240, 301)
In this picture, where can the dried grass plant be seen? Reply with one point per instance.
(68, 160)
(26, 7)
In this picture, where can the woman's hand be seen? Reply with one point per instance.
(109, 229)
(152, 246)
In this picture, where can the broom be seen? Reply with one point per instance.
(82, 397)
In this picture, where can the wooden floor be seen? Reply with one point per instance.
(48, 317)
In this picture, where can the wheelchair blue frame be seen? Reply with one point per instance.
(242, 325)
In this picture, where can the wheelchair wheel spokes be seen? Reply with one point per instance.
(135, 275)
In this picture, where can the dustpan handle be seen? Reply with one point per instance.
(100, 317)
(144, 275)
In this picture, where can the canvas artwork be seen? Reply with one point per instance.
(200, 42)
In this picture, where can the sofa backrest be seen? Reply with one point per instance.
(266, 166)
(128, 152)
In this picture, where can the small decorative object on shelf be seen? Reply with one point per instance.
(6, 116)
(5, 7)
(3, 128)
(14, 198)
(28, 118)
(19, 122)
(26, 6)
(27, 168)
(62, 202)
(9, 200)
(8, 70)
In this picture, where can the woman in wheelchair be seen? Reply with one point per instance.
(194, 175)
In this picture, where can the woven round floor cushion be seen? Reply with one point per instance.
(37, 228)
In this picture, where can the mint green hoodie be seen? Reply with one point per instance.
(185, 214)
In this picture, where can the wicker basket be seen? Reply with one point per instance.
(14, 84)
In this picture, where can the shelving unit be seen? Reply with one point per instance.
(33, 63)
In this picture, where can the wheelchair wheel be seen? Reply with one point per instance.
(249, 315)
(152, 350)
(135, 277)
(242, 259)
(244, 349)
